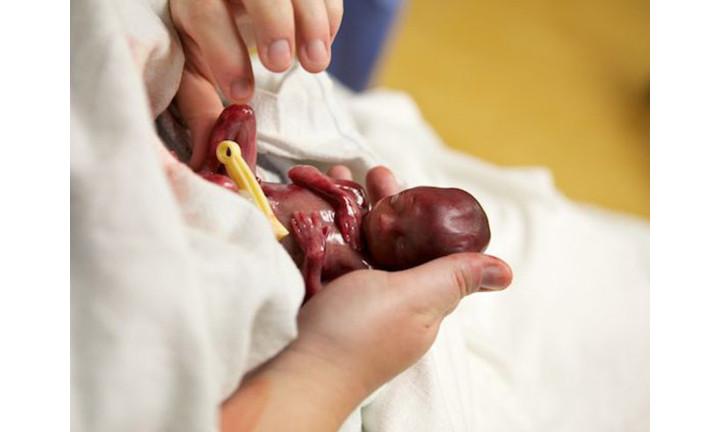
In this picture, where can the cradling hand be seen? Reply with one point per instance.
(358, 332)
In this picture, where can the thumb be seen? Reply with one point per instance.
(199, 105)
(436, 288)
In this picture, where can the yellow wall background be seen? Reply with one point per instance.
(558, 83)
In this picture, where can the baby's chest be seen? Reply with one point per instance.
(285, 200)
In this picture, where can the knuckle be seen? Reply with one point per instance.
(335, 13)
(467, 269)
(460, 281)
(198, 10)
(274, 18)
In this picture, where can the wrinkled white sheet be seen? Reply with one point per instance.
(178, 287)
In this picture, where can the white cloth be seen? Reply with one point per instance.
(566, 347)
(178, 287)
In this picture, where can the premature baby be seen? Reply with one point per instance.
(333, 227)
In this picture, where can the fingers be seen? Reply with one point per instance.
(335, 13)
(274, 26)
(210, 27)
(286, 27)
(312, 29)
(437, 287)
(200, 106)
(340, 172)
(216, 55)
(380, 183)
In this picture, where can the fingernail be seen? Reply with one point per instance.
(240, 89)
(494, 278)
(278, 53)
(316, 51)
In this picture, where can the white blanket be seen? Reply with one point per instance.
(178, 287)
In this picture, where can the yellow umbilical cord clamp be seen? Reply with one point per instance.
(229, 154)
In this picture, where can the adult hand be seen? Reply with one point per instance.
(357, 333)
(216, 56)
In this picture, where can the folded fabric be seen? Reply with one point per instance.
(566, 347)
(177, 287)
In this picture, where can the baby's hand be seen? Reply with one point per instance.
(217, 57)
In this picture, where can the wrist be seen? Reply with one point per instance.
(322, 381)
(299, 389)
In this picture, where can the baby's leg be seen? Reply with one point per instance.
(311, 236)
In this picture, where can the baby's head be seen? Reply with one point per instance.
(424, 223)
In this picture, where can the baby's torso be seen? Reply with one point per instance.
(340, 258)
